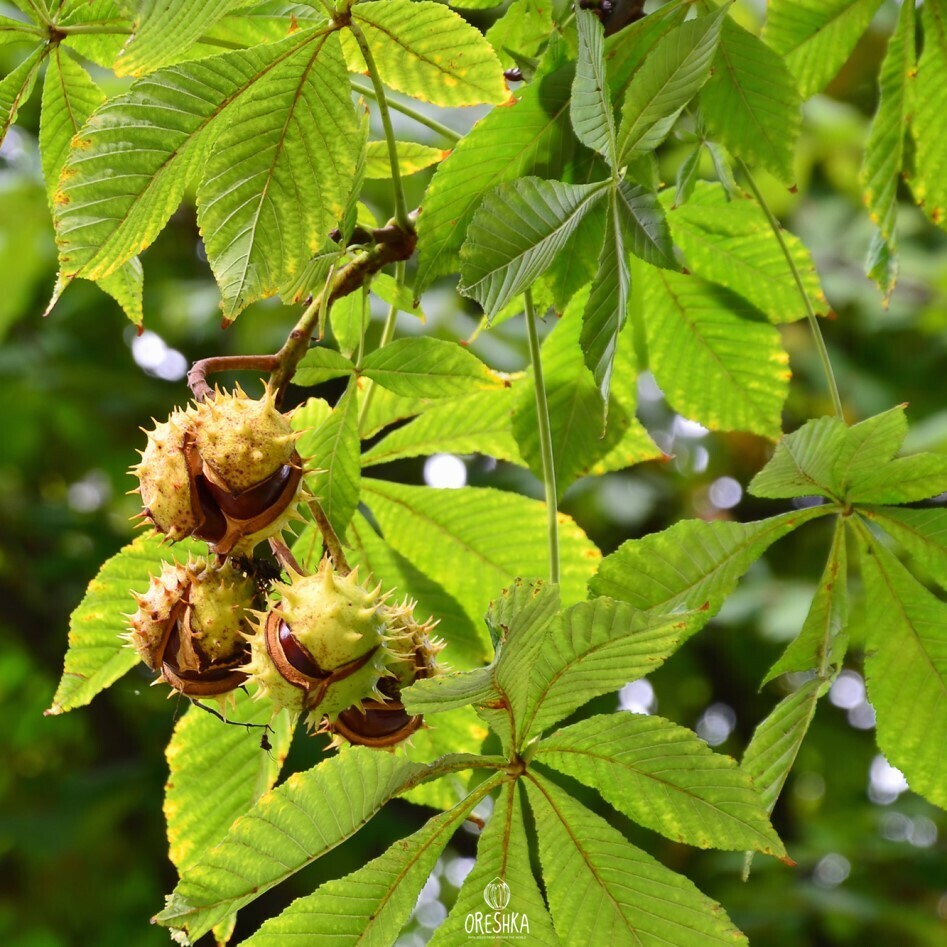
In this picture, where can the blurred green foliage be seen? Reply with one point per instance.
(82, 851)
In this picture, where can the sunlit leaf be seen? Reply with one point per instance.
(715, 359)
(815, 37)
(117, 193)
(334, 449)
(290, 827)
(904, 480)
(97, 656)
(522, 31)
(164, 29)
(530, 136)
(474, 541)
(929, 100)
(730, 242)
(803, 462)
(666, 778)
(923, 533)
(869, 445)
(591, 649)
(668, 79)
(502, 853)
(429, 368)
(591, 110)
(70, 96)
(412, 157)
(279, 174)
(372, 904)
(906, 671)
(601, 889)
(427, 51)
(693, 564)
(820, 643)
(479, 423)
(218, 771)
(517, 233)
(322, 364)
(772, 752)
(17, 86)
(580, 439)
(467, 644)
(750, 103)
(884, 149)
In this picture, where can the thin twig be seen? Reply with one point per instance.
(284, 556)
(329, 537)
(197, 376)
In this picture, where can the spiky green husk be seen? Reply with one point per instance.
(413, 649)
(242, 440)
(337, 621)
(210, 608)
(163, 477)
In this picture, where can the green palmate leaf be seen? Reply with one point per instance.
(321, 364)
(396, 294)
(348, 317)
(591, 649)
(664, 777)
(427, 51)
(335, 447)
(607, 305)
(69, 98)
(591, 109)
(17, 86)
(502, 854)
(929, 100)
(750, 103)
(904, 480)
(803, 463)
(693, 564)
(474, 541)
(476, 424)
(522, 31)
(906, 671)
(923, 533)
(466, 644)
(772, 752)
(451, 691)
(531, 136)
(669, 78)
(815, 37)
(884, 149)
(517, 233)
(116, 195)
(387, 408)
(601, 889)
(818, 644)
(714, 359)
(218, 772)
(576, 265)
(729, 241)
(868, 446)
(412, 157)
(102, 28)
(370, 906)
(16, 31)
(429, 368)
(165, 29)
(580, 440)
(288, 828)
(279, 174)
(647, 233)
(97, 656)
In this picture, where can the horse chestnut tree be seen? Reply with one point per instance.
(276, 577)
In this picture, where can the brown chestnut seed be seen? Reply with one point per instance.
(376, 724)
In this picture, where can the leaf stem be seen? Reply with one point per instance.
(388, 330)
(404, 108)
(401, 206)
(810, 312)
(545, 438)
